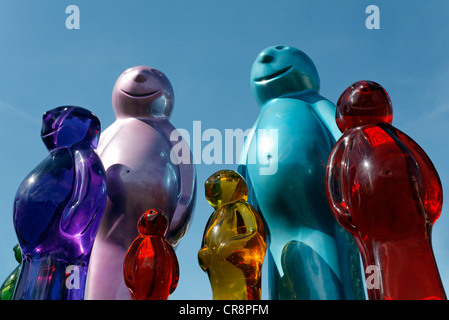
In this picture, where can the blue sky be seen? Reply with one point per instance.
(206, 48)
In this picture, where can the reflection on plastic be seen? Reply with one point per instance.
(310, 255)
(383, 188)
(135, 151)
(151, 269)
(234, 241)
(59, 205)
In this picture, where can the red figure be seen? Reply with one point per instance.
(382, 187)
(151, 268)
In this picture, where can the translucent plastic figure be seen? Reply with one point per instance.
(135, 151)
(234, 241)
(8, 286)
(284, 162)
(383, 188)
(151, 269)
(58, 208)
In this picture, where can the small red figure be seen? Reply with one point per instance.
(150, 269)
(383, 188)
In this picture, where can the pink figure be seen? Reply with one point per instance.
(383, 188)
(136, 151)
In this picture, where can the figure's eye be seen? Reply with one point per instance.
(214, 190)
(140, 78)
(267, 58)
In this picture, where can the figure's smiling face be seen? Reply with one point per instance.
(271, 63)
(140, 83)
(142, 91)
(281, 70)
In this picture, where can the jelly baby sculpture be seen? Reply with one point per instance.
(150, 269)
(58, 208)
(136, 153)
(234, 241)
(383, 188)
(7, 288)
(310, 255)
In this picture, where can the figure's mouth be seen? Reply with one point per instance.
(274, 75)
(140, 95)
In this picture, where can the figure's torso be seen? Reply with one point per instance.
(382, 183)
(140, 175)
(40, 201)
(302, 149)
(228, 282)
(151, 268)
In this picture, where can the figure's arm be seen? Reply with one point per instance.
(88, 198)
(204, 254)
(242, 167)
(433, 189)
(130, 263)
(335, 186)
(325, 110)
(186, 195)
(239, 242)
(175, 269)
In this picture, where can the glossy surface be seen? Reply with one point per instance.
(383, 188)
(150, 268)
(234, 241)
(59, 205)
(8, 286)
(311, 255)
(135, 151)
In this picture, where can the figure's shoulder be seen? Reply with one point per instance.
(307, 96)
(243, 206)
(282, 105)
(59, 155)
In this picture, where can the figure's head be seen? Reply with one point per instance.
(364, 102)
(281, 70)
(225, 186)
(153, 222)
(142, 92)
(67, 125)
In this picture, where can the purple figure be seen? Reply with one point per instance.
(136, 152)
(58, 208)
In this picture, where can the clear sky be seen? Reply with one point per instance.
(206, 48)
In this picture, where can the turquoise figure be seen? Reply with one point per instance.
(8, 286)
(284, 162)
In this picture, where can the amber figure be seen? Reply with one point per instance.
(234, 241)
